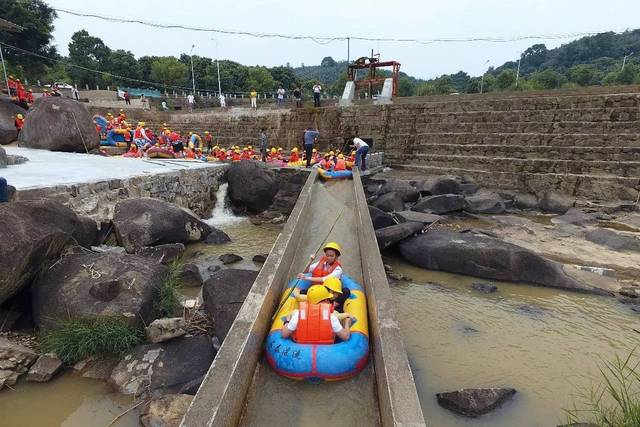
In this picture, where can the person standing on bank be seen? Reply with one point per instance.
(317, 89)
(281, 93)
(309, 137)
(264, 140)
(297, 94)
(254, 98)
(362, 149)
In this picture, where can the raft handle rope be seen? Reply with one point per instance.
(324, 241)
(80, 132)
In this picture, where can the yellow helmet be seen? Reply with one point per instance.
(331, 153)
(333, 245)
(108, 114)
(190, 133)
(20, 116)
(294, 150)
(250, 147)
(314, 150)
(216, 148)
(317, 293)
(333, 283)
(167, 132)
(206, 132)
(279, 148)
(237, 151)
(245, 149)
(141, 123)
(164, 124)
(341, 156)
(273, 149)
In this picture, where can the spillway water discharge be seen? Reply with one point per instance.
(222, 214)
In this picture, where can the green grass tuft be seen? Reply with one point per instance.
(74, 340)
(615, 402)
(168, 296)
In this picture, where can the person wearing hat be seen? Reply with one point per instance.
(208, 139)
(328, 266)
(13, 85)
(326, 163)
(140, 137)
(18, 122)
(236, 156)
(309, 138)
(46, 92)
(341, 164)
(294, 155)
(245, 154)
(30, 96)
(315, 321)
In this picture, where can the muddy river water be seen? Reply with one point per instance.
(545, 343)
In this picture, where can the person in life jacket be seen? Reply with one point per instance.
(326, 163)
(245, 154)
(18, 122)
(315, 321)
(208, 139)
(195, 141)
(339, 294)
(294, 155)
(251, 152)
(30, 96)
(235, 157)
(341, 164)
(222, 155)
(327, 266)
(21, 93)
(140, 137)
(46, 93)
(13, 86)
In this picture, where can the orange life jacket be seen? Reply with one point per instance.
(341, 165)
(138, 133)
(235, 157)
(18, 123)
(326, 164)
(323, 269)
(294, 158)
(314, 324)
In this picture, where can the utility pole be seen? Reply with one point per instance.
(348, 49)
(518, 72)
(482, 79)
(193, 76)
(624, 60)
(4, 69)
(218, 67)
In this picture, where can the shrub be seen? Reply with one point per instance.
(168, 296)
(615, 402)
(74, 340)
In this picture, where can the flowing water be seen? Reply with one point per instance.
(545, 343)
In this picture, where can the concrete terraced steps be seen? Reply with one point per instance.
(587, 145)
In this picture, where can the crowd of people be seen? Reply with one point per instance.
(143, 141)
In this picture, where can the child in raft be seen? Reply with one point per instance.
(313, 323)
(327, 266)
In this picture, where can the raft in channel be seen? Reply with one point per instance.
(320, 362)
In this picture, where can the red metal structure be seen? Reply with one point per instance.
(371, 81)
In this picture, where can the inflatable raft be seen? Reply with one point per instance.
(325, 174)
(118, 138)
(320, 362)
(160, 153)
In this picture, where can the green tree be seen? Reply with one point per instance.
(425, 89)
(629, 74)
(260, 79)
(535, 56)
(506, 80)
(327, 61)
(37, 19)
(88, 52)
(611, 78)
(168, 71)
(144, 62)
(285, 76)
(122, 63)
(406, 87)
(547, 79)
(584, 75)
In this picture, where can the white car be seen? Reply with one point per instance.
(61, 85)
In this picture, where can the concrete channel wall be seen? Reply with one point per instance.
(221, 397)
(397, 395)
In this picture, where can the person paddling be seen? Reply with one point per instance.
(315, 322)
(327, 266)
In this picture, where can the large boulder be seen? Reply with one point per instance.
(88, 286)
(613, 240)
(439, 185)
(389, 236)
(486, 203)
(389, 202)
(4, 161)
(150, 222)
(223, 295)
(553, 202)
(8, 111)
(476, 401)
(380, 218)
(487, 258)
(425, 218)
(59, 124)
(34, 234)
(251, 185)
(402, 188)
(176, 366)
(166, 411)
(15, 360)
(575, 216)
(441, 204)
(162, 254)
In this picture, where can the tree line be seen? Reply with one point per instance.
(589, 61)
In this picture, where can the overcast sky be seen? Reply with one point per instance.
(420, 19)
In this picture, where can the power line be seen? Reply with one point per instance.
(330, 39)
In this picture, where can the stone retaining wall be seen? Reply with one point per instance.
(193, 189)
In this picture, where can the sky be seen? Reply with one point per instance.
(416, 19)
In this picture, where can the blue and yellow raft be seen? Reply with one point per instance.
(317, 362)
(330, 174)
